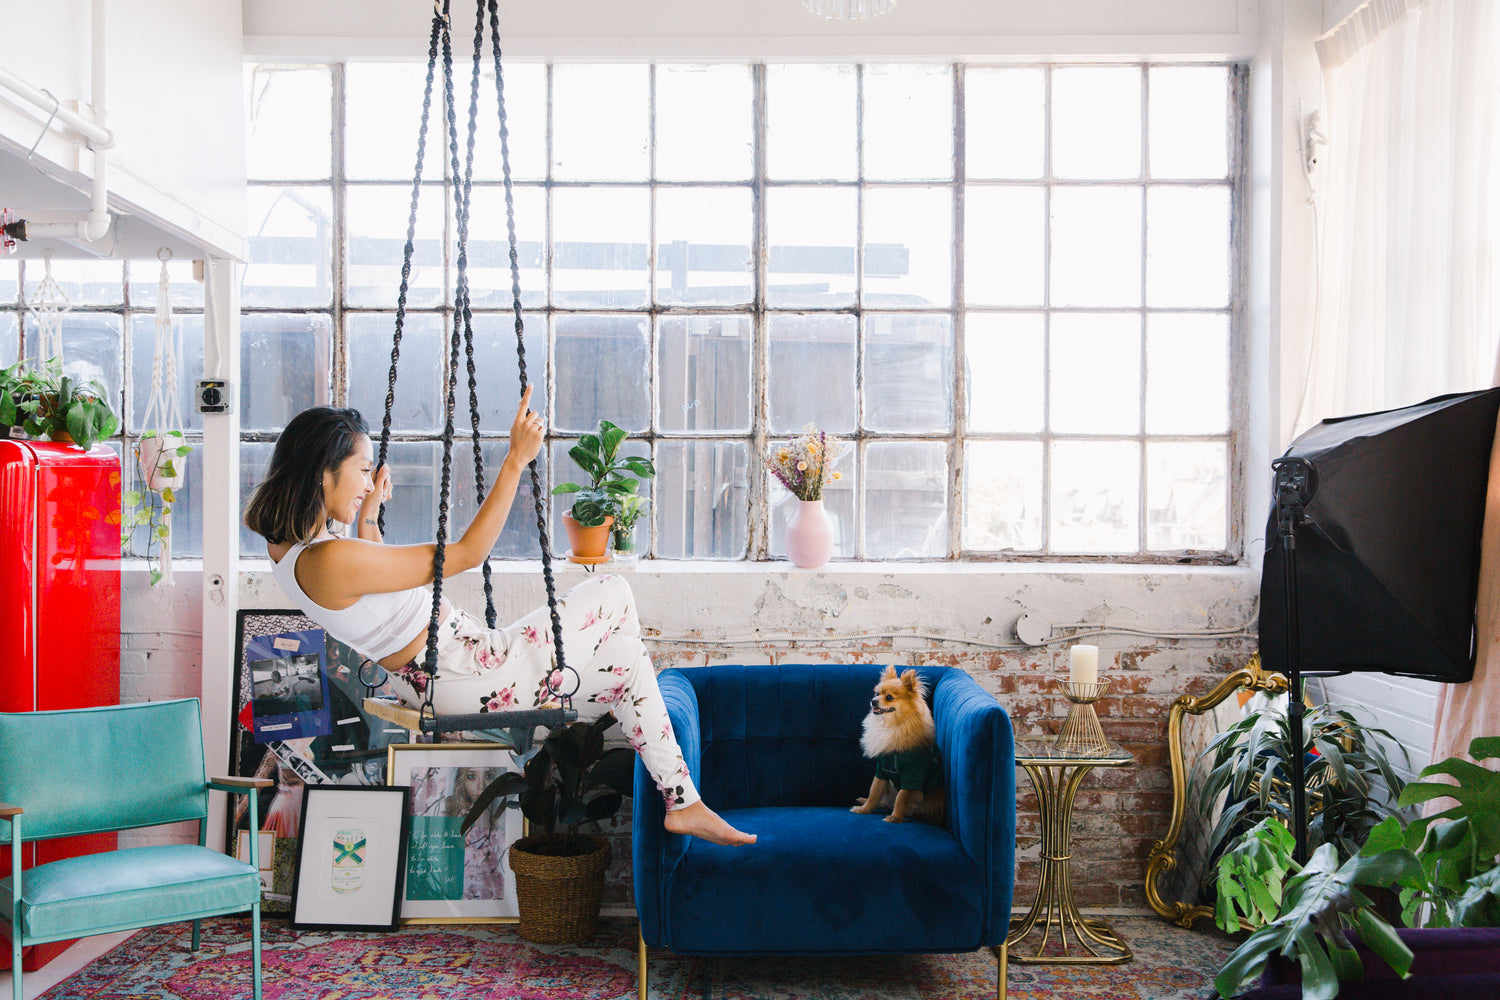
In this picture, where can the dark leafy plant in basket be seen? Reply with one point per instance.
(1443, 867)
(1351, 785)
(572, 780)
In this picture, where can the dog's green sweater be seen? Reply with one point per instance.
(912, 770)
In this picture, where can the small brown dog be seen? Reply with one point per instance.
(900, 735)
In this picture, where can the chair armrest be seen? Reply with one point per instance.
(239, 786)
(655, 851)
(979, 758)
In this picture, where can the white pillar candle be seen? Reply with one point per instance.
(1083, 665)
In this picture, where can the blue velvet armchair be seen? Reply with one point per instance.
(775, 750)
(120, 767)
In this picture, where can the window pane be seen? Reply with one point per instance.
(489, 247)
(291, 247)
(906, 500)
(1187, 374)
(10, 279)
(288, 122)
(1187, 246)
(376, 221)
(1096, 122)
(189, 339)
(812, 365)
(603, 372)
(1003, 496)
(92, 349)
(909, 373)
(1004, 122)
(1187, 495)
(519, 539)
(1189, 121)
(284, 365)
(416, 486)
(500, 375)
(600, 250)
(525, 120)
(1096, 246)
(702, 500)
(418, 404)
(908, 247)
(811, 234)
(383, 117)
(10, 339)
(145, 281)
(838, 501)
(1004, 380)
(255, 459)
(810, 123)
(1095, 496)
(600, 122)
(908, 122)
(703, 246)
(1095, 380)
(1005, 243)
(703, 123)
(703, 363)
(80, 282)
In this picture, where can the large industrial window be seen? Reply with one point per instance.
(1012, 289)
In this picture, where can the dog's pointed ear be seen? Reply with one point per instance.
(889, 674)
(909, 679)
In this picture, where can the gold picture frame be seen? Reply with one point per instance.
(1163, 856)
(440, 863)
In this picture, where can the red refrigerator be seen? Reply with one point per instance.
(59, 607)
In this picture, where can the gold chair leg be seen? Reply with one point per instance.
(1002, 959)
(640, 989)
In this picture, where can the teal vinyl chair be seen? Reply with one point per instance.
(121, 767)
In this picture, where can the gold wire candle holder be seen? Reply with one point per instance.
(1081, 735)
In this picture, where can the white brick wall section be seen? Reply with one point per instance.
(1403, 705)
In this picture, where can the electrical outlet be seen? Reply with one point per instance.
(215, 395)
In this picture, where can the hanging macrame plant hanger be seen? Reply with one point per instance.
(162, 454)
(562, 681)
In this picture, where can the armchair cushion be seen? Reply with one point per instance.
(131, 888)
(775, 750)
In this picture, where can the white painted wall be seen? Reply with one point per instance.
(173, 77)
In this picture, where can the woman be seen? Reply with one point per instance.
(376, 599)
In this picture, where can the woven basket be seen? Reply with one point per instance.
(558, 896)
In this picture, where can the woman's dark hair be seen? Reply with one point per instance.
(284, 508)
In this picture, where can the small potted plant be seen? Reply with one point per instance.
(611, 476)
(44, 401)
(571, 782)
(628, 510)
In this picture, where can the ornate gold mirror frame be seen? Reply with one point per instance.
(1163, 856)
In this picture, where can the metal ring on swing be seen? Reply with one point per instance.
(370, 685)
(164, 250)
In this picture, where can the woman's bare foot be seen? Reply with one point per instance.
(697, 820)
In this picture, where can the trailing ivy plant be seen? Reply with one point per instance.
(151, 505)
(44, 401)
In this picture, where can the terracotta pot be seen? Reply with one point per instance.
(587, 544)
(809, 535)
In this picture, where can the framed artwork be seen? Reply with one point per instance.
(452, 877)
(298, 731)
(351, 848)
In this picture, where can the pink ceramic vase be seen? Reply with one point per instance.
(809, 535)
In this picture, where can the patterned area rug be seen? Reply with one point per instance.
(491, 962)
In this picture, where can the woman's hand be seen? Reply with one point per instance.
(526, 432)
(369, 507)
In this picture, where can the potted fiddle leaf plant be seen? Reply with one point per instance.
(612, 476)
(571, 782)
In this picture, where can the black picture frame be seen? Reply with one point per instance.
(351, 751)
(351, 853)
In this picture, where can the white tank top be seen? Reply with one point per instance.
(376, 625)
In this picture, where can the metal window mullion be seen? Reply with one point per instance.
(1239, 399)
(340, 271)
(1046, 437)
(549, 322)
(653, 372)
(959, 290)
(1142, 535)
(861, 451)
(758, 543)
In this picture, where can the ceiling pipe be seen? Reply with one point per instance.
(95, 225)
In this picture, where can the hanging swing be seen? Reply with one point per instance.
(562, 681)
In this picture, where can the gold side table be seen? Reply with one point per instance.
(1057, 777)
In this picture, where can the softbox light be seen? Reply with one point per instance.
(1387, 553)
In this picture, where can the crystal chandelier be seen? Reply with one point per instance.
(849, 10)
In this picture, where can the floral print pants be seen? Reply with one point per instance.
(483, 670)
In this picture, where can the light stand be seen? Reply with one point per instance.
(1296, 484)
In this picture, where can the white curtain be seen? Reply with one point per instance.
(1407, 209)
